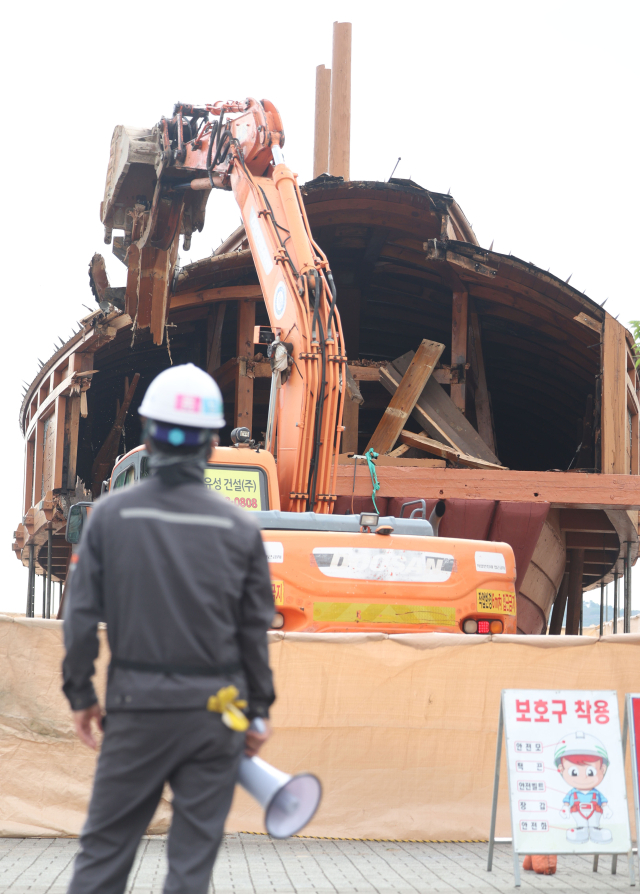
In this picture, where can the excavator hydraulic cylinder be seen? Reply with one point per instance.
(285, 184)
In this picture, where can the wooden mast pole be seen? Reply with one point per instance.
(321, 132)
(340, 121)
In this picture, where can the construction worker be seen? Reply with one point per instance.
(181, 578)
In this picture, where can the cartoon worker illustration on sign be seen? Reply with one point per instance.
(582, 761)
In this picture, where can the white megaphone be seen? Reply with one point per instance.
(289, 801)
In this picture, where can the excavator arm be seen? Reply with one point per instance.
(157, 186)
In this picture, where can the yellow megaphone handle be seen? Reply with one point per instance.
(227, 703)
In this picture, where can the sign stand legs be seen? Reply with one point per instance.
(516, 869)
(494, 806)
(614, 857)
(496, 783)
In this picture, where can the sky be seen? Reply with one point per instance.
(526, 111)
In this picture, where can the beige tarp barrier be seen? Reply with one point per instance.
(607, 627)
(401, 729)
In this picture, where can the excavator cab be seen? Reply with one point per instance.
(242, 474)
(78, 514)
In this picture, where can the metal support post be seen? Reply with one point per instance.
(494, 804)
(496, 785)
(575, 597)
(627, 590)
(50, 550)
(30, 580)
(625, 729)
(44, 595)
(615, 601)
(601, 607)
(614, 857)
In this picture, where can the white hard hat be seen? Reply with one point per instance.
(580, 743)
(184, 395)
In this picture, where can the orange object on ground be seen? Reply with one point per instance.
(543, 864)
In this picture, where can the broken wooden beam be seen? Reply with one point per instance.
(105, 459)
(388, 460)
(350, 421)
(244, 345)
(405, 396)
(365, 373)
(399, 451)
(71, 428)
(351, 414)
(422, 442)
(98, 279)
(427, 418)
(459, 315)
(215, 321)
(227, 374)
(484, 415)
(437, 414)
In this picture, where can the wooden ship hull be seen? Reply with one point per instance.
(537, 368)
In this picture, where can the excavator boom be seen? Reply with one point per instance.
(158, 183)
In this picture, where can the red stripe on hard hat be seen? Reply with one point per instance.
(187, 402)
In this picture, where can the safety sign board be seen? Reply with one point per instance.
(565, 770)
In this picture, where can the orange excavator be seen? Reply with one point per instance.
(157, 186)
(330, 573)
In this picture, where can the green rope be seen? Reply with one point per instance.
(370, 455)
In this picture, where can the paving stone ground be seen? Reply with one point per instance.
(248, 864)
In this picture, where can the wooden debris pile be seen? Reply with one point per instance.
(445, 431)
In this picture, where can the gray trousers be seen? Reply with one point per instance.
(198, 756)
